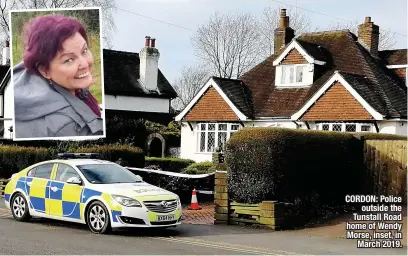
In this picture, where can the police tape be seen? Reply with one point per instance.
(205, 192)
(182, 175)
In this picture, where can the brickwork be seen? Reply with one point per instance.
(211, 107)
(204, 216)
(337, 104)
(294, 57)
(368, 35)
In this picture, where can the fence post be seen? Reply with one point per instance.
(221, 202)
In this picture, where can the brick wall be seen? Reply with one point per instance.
(211, 107)
(337, 104)
(294, 57)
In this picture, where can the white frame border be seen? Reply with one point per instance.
(103, 112)
(295, 45)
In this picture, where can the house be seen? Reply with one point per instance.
(134, 87)
(330, 80)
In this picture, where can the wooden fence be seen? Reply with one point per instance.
(386, 165)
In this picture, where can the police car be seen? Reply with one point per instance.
(84, 189)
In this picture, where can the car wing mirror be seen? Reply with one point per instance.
(74, 180)
(139, 177)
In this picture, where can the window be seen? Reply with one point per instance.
(43, 171)
(344, 127)
(64, 172)
(365, 128)
(213, 135)
(293, 74)
(107, 174)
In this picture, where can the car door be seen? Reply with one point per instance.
(37, 187)
(65, 197)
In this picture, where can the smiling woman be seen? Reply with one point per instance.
(51, 84)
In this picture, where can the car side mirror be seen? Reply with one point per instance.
(74, 180)
(139, 177)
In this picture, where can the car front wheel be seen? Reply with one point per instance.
(19, 208)
(98, 219)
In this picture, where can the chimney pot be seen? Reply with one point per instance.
(283, 34)
(153, 42)
(284, 20)
(367, 19)
(283, 13)
(147, 44)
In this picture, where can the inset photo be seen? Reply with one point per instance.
(57, 74)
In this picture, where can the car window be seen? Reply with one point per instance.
(43, 171)
(64, 172)
(31, 173)
(107, 174)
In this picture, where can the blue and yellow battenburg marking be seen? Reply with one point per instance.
(59, 199)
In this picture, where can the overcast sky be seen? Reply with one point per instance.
(174, 42)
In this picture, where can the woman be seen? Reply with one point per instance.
(51, 96)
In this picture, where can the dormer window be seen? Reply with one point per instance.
(294, 75)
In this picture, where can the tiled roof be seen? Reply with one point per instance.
(394, 57)
(121, 71)
(342, 53)
(237, 92)
(314, 50)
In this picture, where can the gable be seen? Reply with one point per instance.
(211, 107)
(337, 104)
(294, 57)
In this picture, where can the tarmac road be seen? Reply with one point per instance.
(40, 236)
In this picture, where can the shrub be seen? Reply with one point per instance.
(168, 163)
(200, 168)
(13, 158)
(131, 156)
(288, 165)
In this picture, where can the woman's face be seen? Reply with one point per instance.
(71, 67)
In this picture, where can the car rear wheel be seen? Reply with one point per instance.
(19, 208)
(98, 218)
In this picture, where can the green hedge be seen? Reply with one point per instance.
(307, 167)
(200, 168)
(15, 158)
(168, 163)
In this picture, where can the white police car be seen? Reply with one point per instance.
(79, 188)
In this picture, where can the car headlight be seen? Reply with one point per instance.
(126, 201)
(178, 201)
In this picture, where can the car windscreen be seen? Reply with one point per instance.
(107, 174)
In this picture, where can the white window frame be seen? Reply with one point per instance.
(319, 126)
(229, 131)
(279, 75)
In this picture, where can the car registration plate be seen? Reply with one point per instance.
(169, 217)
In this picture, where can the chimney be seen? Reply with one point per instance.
(369, 36)
(149, 64)
(284, 33)
(6, 54)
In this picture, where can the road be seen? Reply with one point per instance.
(41, 236)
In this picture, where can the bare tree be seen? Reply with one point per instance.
(227, 44)
(107, 6)
(189, 83)
(387, 37)
(270, 20)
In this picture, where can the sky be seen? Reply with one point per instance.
(136, 19)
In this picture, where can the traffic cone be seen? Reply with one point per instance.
(194, 202)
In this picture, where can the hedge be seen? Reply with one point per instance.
(15, 158)
(168, 163)
(200, 168)
(307, 167)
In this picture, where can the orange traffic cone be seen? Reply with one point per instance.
(194, 202)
